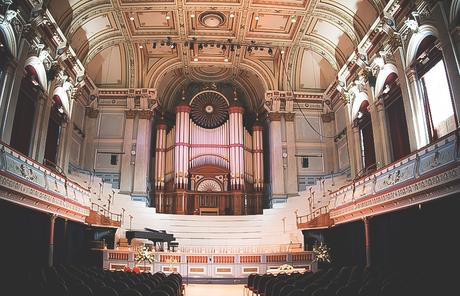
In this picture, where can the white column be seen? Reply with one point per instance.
(41, 128)
(408, 98)
(258, 157)
(292, 184)
(236, 147)
(126, 170)
(10, 92)
(379, 107)
(160, 156)
(181, 149)
(141, 167)
(276, 157)
(418, 110)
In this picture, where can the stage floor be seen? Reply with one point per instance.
(221, 290)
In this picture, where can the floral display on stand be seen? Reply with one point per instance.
(322, 253)
(144, 255)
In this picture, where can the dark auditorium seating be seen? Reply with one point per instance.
(84, 281)
(344, 281)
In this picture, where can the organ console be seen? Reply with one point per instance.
(209, 158)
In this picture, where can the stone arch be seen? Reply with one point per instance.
(387, 70)
(415, 41)
(8, 33)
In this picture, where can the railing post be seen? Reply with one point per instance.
(367, 240)
(51, 240)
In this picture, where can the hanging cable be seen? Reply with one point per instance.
(298, 105)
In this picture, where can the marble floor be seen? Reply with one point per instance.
(211, 290)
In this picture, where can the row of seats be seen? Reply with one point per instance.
(345, 281)
(83, 281)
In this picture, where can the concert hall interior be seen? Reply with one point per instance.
(255, 147)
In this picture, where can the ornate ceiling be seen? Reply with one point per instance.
(114, 39)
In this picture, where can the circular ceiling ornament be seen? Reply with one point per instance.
(209, 109)
(212, 19)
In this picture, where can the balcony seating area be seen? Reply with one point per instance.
(83, 281)
(344, 281)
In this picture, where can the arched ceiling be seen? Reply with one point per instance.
(114, 40)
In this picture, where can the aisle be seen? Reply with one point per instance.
(212, 290)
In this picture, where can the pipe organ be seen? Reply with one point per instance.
(209, 162)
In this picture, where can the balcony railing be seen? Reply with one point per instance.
(313, 215)
(42, 186)
(429, 168)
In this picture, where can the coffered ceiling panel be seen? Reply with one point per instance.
(96, 26)
(151, 23)
(277, 3)
(272, 26)
(319, 36)
(211, 23)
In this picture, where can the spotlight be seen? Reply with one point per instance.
(226, 60)
(192, 15)
(270, 51)
(131, 18)
(293, 19)
(256, 17)
(173, 45)
(359, 115)
(195, 59)
(168, 17)
(282, 51)
(232, 14)
(140, 46)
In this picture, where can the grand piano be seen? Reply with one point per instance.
(156, 236)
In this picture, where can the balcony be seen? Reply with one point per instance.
(430, 173)
(28, 183)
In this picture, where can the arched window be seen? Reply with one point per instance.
(436, 93)
(396, 117)
(24, 117)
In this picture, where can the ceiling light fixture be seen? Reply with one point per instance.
(192, 15)
(131, 17)
(168, 17)
(195, 59)
(256, 17)
(140, 46)
(293, 19)
(282, 51)
(232, 14)
(226, 60)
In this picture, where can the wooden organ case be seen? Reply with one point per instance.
(209, 163)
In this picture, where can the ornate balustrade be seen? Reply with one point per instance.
(429, 173)
(210, 265)
(29, 183)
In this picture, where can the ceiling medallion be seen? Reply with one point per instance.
(212, 19)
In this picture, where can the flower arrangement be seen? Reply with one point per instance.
(285, 267)
(143, 255)
(322, 253)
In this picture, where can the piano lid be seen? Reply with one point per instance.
(153, 235)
